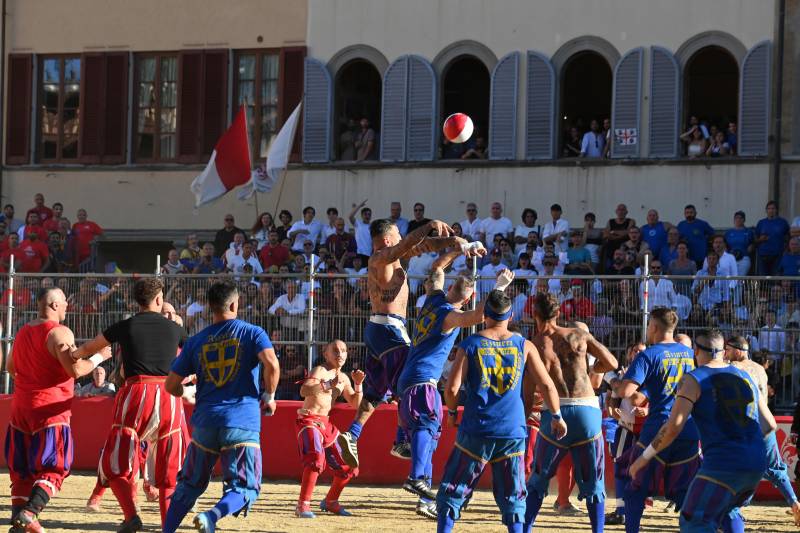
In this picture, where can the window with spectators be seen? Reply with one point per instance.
(257, 88)
(59, 108)
(156, 101)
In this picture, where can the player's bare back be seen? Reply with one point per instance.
(563, 352)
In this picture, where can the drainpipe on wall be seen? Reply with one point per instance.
(776, 163)
(2, 91)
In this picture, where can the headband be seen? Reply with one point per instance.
(737, 346)
(497, 316)
(712, 351)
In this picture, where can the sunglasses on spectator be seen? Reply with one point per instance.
(228, 220)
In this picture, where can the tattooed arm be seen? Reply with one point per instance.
(688, 393)
(412, 244)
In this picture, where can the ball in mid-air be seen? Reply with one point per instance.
(457, 128)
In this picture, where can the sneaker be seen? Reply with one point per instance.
(131, 526)
(420, 488)
(568, 509)
(304, 511)
(334, 507)
(150, 492)
(203, 523)
(349, 449)
(615, 519)
(428, 510)
(93, 505)
(401, 451)
(670, 506)
(28, 522)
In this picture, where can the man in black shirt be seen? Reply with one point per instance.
(224, 237)
(419, 219)
(143, 409)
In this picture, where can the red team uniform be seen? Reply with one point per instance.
(144, 411)
(39, 444)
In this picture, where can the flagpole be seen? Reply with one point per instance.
(280, 192)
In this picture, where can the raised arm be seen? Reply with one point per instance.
(353, 394)
(407, 247)
(352, 216)
(604, 359)
(535, 367)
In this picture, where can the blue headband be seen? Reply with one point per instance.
(497, 316)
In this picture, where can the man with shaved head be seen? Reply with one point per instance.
(41, 408)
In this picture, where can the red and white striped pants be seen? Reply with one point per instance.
(145, 411)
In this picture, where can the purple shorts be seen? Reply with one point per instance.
(421, 409)
(388, 346)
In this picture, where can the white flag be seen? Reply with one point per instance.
(264, 177)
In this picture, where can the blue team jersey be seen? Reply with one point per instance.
(738, 240)
(789, 265)
(726, 414)
(493, 406)
(430, 345)
(696, 235)
(225, 358)
(776, 229)
(655, 236)
(658, 370)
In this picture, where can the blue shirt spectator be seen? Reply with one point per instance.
(771, 233)
(732, 138)
(696, 233)
(654, 233)
(790, 262)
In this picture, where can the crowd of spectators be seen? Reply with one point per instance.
(272, 259)
(46, 240)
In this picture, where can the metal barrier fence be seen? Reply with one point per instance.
(764, 310)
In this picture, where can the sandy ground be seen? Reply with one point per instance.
(375, 509)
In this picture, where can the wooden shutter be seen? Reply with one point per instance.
(291, 89)
(316, 112)
(104, 104)
(92, 105)
(754, 101)
(540, 109)
(627, 95)
(214, 100)
(18, 121)
(189, 98)
(393, 111)
(664, 103)
(422, 110)
(503, 108)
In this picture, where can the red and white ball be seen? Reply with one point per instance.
(457, 128)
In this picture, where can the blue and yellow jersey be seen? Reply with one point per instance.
(430, 345)
(225, 358)
(726, 414)
(493, 407)
(659, 370)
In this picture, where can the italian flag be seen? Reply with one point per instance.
(229, 165)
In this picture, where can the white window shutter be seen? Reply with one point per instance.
(627, 105)
(540, 112)
(754, 101)
(316, 112)
(664, 103)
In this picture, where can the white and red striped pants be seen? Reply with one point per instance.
(145, 411)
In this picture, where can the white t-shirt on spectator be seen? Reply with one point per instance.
(314, 231)
(727, 265)
(352, 273)
(292, 307)
(492, 226)
(561, 225)
(232, 253)
(773, 339)
(592, 144)
(661, 294)
(238, 263)
(471, 230)
(522, 231)
(197, 309)
(488, 275)
(418, 268)
(363, 240)
(526, 274)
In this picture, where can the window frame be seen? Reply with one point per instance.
(39, 151)
(256, 133)
(158, 56)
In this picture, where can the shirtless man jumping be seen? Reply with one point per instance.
(385, 334)
(316, 434)
(564, 352)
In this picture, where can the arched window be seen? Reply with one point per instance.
(586, 87)
(357, 93)
(711, 87)
(465, 89)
